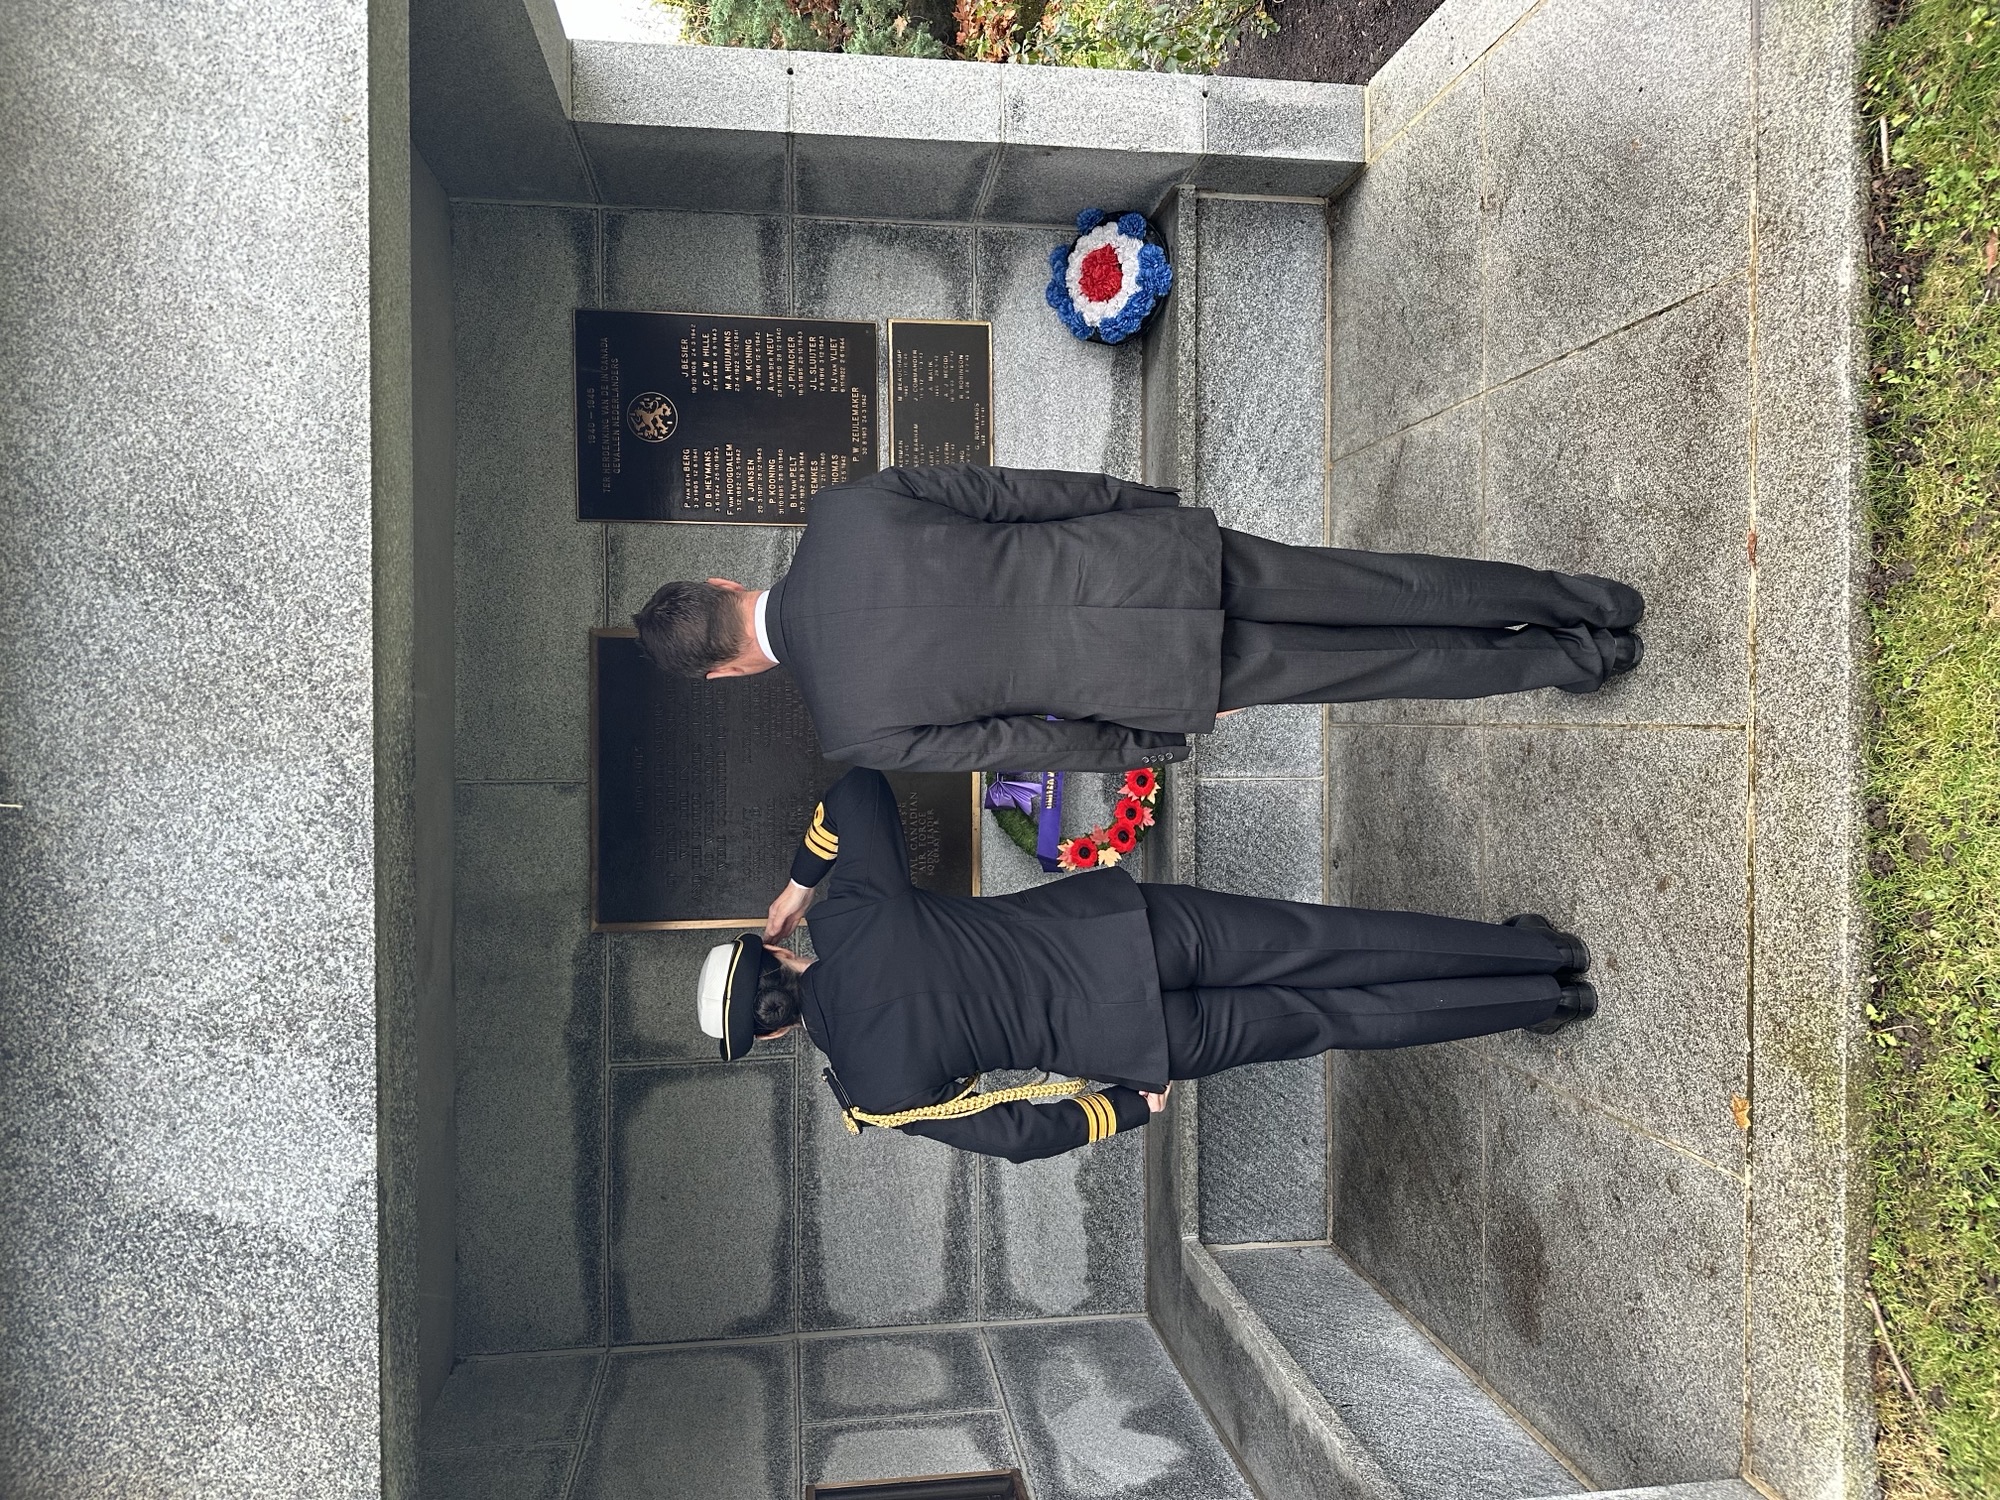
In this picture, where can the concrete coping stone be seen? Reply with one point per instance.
(917, 99)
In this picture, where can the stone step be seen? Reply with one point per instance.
(1433, 1433)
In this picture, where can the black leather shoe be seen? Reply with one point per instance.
(1628, 652)
(1576, 952)
(1578, 1003)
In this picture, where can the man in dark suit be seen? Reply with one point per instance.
(913, 996)
(965, 619)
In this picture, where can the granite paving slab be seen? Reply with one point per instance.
(1615, 189)
(711, 1423)
(968, 1442)
(708, 262)
(1263, 1153)
(1259, 838)
(522, 1401)
(1262, 336)
(695, 169)
(1062, 1236)
(892, 138)
(1102, 1415)
(1439, 56)
(1418, 490)
(703, 1211)
(485, 110)
(847, 269)
(1406, 816)
(1058, 403)
(875, 1375)
(530, 580)
(496, 1474)
(886, 1226)
(1631, 459)
(1811, 1431)
(1434, 1431)
(1615, 1290)
(1406, 339)
(530, 992)
(1409, 1180)
(1649, 869)
(1271, 740)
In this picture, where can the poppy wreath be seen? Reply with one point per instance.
(1135, 810)
(1109, 281)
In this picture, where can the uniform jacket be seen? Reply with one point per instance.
(915, 993)
(937, 619)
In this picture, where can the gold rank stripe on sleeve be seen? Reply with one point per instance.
(1097, 1111)
(818, 839)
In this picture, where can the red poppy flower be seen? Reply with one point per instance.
(1132, 810)
(1141, 783)
(1124, 837)
(1079, 853)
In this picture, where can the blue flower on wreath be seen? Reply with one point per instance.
(1106, 284)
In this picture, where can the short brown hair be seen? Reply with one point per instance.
(690, 629)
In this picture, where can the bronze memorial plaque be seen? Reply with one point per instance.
(993, 1484)
(940, 392)
(699, 793)
(706, 417)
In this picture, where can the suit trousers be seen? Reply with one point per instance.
(1249, 980)
(1331, 625)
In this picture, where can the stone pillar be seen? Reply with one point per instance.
(206, 718)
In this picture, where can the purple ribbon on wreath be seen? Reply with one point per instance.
(1041, 797)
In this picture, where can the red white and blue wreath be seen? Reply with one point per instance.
(1108, 282)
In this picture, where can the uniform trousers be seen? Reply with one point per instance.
(1330, 625)
(1248, 980)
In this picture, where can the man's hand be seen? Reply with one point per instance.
(786, 911)
(1156, 1102)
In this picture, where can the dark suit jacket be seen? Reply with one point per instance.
(936, 618)
(914, 993)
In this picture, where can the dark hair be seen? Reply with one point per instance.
(690, 629)
(777, 999)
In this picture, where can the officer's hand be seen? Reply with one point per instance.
(1156, 1102)
(786, 911)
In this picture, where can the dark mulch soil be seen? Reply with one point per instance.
(1330, 41)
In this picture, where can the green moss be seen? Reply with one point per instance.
(1934, 866)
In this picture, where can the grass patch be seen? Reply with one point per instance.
(1933, 77)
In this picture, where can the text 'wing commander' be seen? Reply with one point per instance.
(966, 619)
(914, 996)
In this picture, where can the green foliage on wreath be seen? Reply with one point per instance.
(1016, 824)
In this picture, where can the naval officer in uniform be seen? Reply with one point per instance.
(965, 619)
(913, 996)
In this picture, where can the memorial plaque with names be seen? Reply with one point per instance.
(940, 392)
(707, 417)
(701, 790)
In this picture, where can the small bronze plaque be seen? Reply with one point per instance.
(999, 1484)
(700, 792)
(940, 392)
(703, 417)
